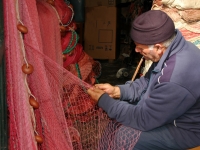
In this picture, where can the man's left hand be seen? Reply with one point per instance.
(95, 93)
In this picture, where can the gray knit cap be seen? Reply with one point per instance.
(152, 27)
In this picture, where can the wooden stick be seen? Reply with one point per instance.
(137, 69)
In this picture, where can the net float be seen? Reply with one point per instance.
(64, 57)
(51, 2)
(27, 68)
(33, 103)
(38, 139)
(63, 29)
(22, 28)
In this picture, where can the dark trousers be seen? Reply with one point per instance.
(157, 139)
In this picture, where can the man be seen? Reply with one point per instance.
(165, 103)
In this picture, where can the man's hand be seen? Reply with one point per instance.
(95, 93)
(112, 91)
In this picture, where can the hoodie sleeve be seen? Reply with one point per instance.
(165, 103)
(131, 91)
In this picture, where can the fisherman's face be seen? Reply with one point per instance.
(153, 53)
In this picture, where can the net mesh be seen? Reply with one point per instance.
(67, 118)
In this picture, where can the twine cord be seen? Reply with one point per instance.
(26, 62)
(57, 15)
(71, 16)
(69, 47)
(64, 15)
(21, 37)
(78, 70)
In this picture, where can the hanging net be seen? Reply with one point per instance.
(49, 108)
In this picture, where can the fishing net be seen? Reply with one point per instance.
(48, 105)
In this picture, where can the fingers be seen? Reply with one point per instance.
(100, 86)
(95, 90)
(90, 90)
(104, 86)
(95, 93)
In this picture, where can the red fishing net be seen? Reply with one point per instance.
(63, 115)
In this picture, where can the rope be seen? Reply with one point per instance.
(27, 64)
(71, 16)
(69, 48)
(78, 70)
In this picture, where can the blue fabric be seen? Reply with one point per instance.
(157, 139)
(168, 94)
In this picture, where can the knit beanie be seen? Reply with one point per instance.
(151, 27)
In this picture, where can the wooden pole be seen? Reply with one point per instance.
(137, 69)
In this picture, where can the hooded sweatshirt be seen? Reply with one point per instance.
(169, 94)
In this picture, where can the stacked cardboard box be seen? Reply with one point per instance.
(100, 32)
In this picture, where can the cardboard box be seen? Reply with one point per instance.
(100, 32)
(94, 3)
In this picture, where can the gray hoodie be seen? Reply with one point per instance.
(169, 94)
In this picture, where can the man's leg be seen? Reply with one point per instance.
(157, 139)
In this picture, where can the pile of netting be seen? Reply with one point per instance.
(185, 16)
(48, 104)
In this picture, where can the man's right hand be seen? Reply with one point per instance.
(112, 91)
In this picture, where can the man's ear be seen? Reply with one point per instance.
(159, 49)
(158, 46)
